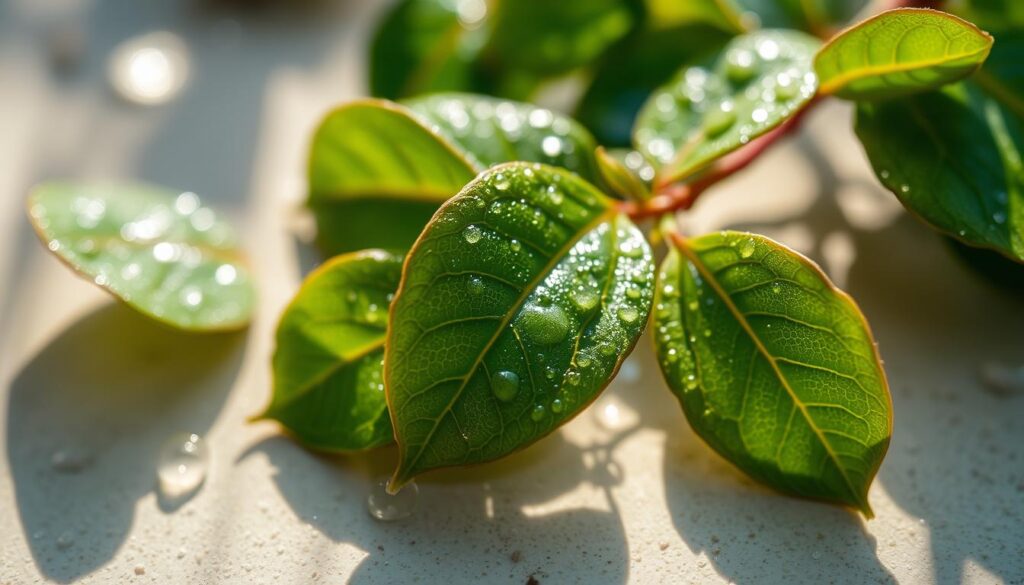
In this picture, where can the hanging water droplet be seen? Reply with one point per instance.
(628, 314)
(181, 469)
(505, 385)
(544, 325)
(718, 120)
(747, 248)
(475, 285)
(472, 234)
(538, 413)
(388, 507)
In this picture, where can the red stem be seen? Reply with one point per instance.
(679, 196)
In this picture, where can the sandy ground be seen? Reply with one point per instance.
(644, 502)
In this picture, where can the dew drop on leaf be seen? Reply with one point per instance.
(475, 285)
(505, 385)
(584, 299)
(544, 325)
(538, 413)
(628, 314)
(747, 248)
(557, 405)
(719, 119)
(472, 234)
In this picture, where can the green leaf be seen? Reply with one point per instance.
(1002, 76)
(377, 175)
(550, 38)
(490, 131)
(328, 365)
(996, 15)
(517, 305)
(628, 73)
(428, 45)
(757, 82)
(898, 52)
(623, 181)
(722, 14)
(774, 367)
(953, 158)
(159, 251)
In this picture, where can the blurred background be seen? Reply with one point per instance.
(221, 97)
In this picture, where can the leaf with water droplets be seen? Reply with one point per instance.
(425, 46)
(328, 372)
(774, 367)
(490, 131)
(161, 252)
(517, 305)
(953, 158)
(758, 81)
(376, 175)
(899, 52)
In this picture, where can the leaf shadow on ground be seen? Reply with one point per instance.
(498, 530)
(86, 418)
(954, 462)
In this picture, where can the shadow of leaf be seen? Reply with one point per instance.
(86, 418)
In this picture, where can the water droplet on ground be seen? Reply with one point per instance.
(391, 507)
(182, 466)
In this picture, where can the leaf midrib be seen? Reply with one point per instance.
(709, 277)
(514, 309)
(836, 83)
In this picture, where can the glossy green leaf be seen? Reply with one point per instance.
(429, 45)
(159, 251)
(517, 305)
(629, 72)
(490, 131)
(549, 38)
(953, 158)
(899, 52)
(623, 181)
(328, 365)
(377, 174)
(774, 367)
(757, 82)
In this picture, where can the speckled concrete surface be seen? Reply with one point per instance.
(641, 503)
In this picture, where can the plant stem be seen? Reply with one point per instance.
(680, 196)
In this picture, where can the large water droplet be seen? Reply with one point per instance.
(472, 234)
(501, 182)
(181, 469)
(557, 405)
(538, 413)
(505, 385)
(747, 248)
(718, 120)
(390, 507)
(584, 298)
(628, 314)
(545, 325)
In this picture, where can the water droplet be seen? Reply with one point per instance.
(740, 65)
(999, 217)
(776, 287)
(472, 234)
(65, 541)
(691, 382)
(501, 182)
(905, 188)
(759, 115)
(747, 248)
(538, 413)
(768, 50)
(226, 274)
(718, 120)
(191, 297)
(514, 245)
(572, 377)
(551, 145)
(475, 285)
(786, 87)
(557, 405)
(505, 385)
(181, 469)
(388, 507)
(633, 292)
(550, 373)
(583, 360)
(544, 325)
(584, 298)
(884, 174)
(707, 333)
(628, 314)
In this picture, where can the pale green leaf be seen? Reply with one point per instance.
(159, 251)
(899, 52)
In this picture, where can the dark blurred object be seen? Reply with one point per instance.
(66, 46)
